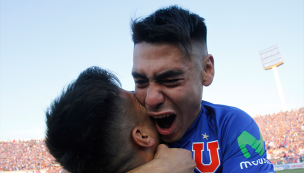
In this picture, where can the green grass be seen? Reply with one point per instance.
(292, 171)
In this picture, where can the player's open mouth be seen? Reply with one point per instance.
(165, 121)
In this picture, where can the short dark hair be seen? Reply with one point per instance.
(170, 25)
(83, 124)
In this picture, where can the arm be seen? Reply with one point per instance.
(167, 160)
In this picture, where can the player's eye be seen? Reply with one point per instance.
(140, 82)
(171, 82)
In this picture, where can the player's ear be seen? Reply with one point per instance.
(208, 69)
(141, 138)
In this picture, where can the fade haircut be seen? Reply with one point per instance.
(85, 128)
(170, 25)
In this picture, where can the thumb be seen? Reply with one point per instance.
(160, 149)
(162, 146)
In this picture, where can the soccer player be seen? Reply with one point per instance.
(171, 65)
(95, 126)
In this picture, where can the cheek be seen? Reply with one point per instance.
(188, 93)
(189, 98)
(140, 95)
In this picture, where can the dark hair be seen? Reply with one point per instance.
(83, 124)
(170, 25)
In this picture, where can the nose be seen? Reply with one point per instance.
(154, 97)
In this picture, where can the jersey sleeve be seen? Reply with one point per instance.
(242, 144)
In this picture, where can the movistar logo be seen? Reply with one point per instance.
(246, 138)
(255, 163)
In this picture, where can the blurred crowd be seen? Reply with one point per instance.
(283, 133)
(26, 155)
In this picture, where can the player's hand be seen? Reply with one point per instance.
(168, 160)
(175, 160)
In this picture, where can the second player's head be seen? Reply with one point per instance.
(95, 126)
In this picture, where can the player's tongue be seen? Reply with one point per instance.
(165, 123)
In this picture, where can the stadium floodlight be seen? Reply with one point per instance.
(271, 59)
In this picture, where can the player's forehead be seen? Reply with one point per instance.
(130, 100)
(126, 95)
(158, 59)
(148, 51)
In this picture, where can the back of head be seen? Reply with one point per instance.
(83, 132)
(170, 25)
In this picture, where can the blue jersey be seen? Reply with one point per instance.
(225, 139)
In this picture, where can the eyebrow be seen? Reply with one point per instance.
(165, 74)
(169, 74)
(138, 75)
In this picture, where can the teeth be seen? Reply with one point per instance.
(163, 116)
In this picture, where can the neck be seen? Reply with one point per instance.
(132, 163)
